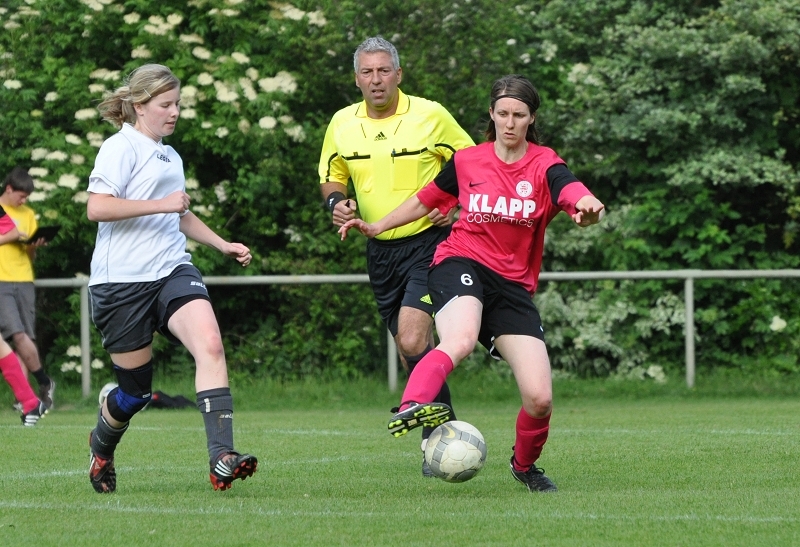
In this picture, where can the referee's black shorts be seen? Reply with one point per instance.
(507, 306)
(398, 272)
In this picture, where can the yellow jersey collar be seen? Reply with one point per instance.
(403, 104)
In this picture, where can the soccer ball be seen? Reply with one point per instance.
(455, 451)
(104, 391)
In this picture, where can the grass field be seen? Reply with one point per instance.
(670, 468)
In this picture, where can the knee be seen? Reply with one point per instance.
(539, 405)
(411, 343)
(133, 392)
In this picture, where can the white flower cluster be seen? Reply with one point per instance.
(282, 81)
(160, 27)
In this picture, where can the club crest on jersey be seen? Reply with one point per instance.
(524, 188)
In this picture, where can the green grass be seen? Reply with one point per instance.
(635, 465)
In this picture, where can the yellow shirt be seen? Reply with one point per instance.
(15, 264)
(389, 160)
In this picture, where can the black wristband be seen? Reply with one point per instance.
(333, 199)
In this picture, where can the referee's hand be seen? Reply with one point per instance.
(344, 211)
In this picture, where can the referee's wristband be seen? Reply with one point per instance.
(333, 199)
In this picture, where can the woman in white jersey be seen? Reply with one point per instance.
(142, 279)
(484, 274)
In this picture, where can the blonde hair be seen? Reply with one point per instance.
(139, 87)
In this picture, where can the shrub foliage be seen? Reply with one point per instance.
(681, 116)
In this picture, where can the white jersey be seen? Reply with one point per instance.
(131, 165)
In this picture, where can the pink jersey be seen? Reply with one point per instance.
(505, 209)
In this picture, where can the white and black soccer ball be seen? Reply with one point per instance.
(104, 391)
(455, 451)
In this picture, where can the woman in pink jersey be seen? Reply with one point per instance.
(32, 407)
(484, 274)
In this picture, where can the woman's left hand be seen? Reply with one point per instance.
(239, 252)
(589, 211)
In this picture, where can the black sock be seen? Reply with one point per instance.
(216, 406)
(106, 438)
(442, 397)
(42, 378)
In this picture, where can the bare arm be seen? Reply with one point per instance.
(194, 228)
(107, 208)
(408, 211)
(10, 236)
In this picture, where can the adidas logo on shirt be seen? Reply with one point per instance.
(380, 137)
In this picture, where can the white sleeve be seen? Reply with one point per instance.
(113, 167)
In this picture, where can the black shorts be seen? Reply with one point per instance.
(127, 314)
(507, 306)
(398, 272)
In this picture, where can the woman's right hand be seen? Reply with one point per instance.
(368, 230)
(176, 202)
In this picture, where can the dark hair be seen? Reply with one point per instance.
(19, 180)
(517, 87)
(139, 87)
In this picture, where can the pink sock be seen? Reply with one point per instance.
(531, 436)
(427, 378)
(10, 367)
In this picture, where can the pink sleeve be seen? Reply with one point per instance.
(570, 195)
(6, 224)
(434, 197)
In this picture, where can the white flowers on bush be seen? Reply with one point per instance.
(188, 113)
(131, 18)
(204, 78)
(39, 153)
(222, 132)
(97, 364)
(12, 84)
(282, 81)
(296, 133)
(95, 139)
(72, 139)
(777, 324)
(248, 89)
(70, 365)
(141, 52)
(51, 97)
(38, 172)
(224, 92)
(220, 192)
(201, 53)
(74, 351)
(68, 180)
(86, 114)
(81, 197)
(77, 159)
(190, 39)
(267, 122)
(56, 155)
(240, 58)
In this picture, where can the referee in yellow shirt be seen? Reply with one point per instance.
(391, 145)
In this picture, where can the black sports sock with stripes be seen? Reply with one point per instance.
(106, 438)
(216, 406)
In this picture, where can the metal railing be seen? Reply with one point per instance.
(688, 277)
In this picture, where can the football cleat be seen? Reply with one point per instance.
(534, 478)
(232, 466)
(29, 419)
(46, 394)
(418, 414)
(101, 471)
